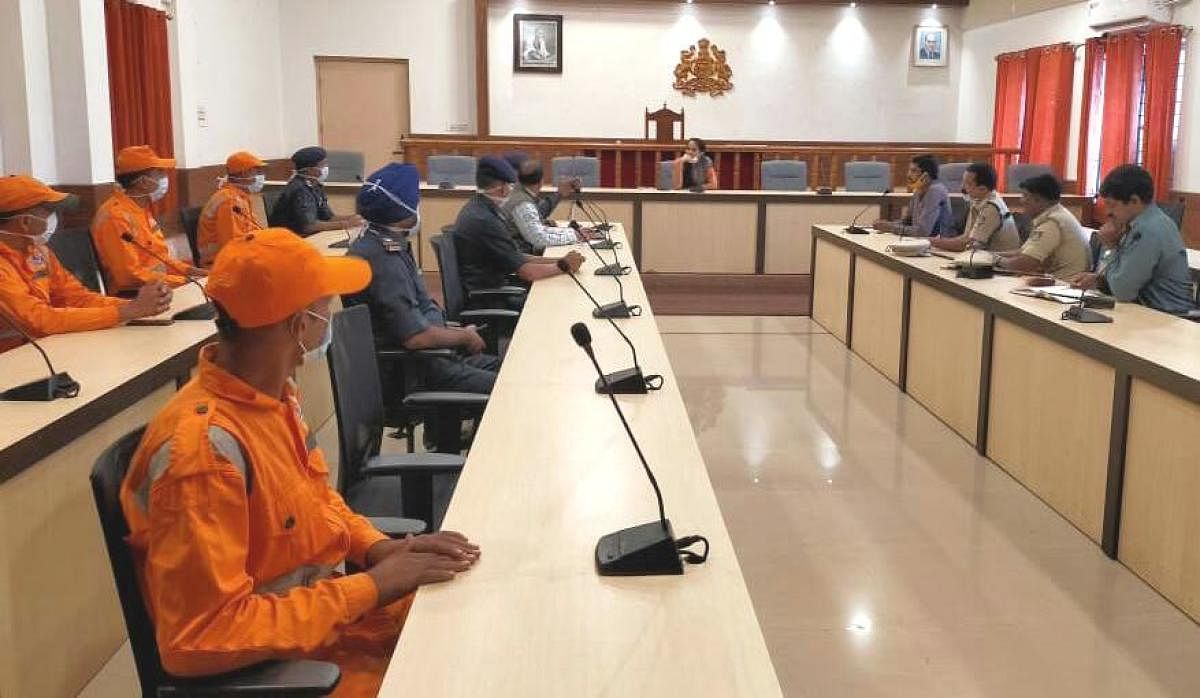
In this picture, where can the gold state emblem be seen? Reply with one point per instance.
(703, 70)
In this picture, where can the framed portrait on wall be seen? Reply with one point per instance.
(537, 43)
(931, 46)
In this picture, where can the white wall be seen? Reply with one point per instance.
(26, 111)
(1187, 155)
(226, 62)
(82, 111)
(800, 73)
(436, 36)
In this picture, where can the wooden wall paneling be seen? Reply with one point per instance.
(878, 315)
(831, 287)
(945, 342)
(789, 233)
(1160, 515)
(698, 237)
(436, 213)
(1048, 403)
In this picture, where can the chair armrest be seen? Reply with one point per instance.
(414, 464)
(300, 677)
(439, 398)
(400, 354)
(395, 527)
(492, 292)
(490, 314)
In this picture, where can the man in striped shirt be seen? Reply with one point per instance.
(532, 234)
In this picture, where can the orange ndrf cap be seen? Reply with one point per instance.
(19, 192)
(266, 276)
(243, 160)
(136, 158)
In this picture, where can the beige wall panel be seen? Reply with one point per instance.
(831, 288)
(945, 338)
(1160, 517)
(878, 316)
(698, 237)
(435, 214)
(617, 212)
(59, 616)
(789, 233)
(1050, 412)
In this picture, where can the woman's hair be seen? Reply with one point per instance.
(700, 145)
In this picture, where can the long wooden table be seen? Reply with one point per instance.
(1095, 419)
(550, 471)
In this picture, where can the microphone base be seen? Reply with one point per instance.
(627, 382)
(1084, 315)
(857, 230)
(975, 273)
(605, 244)
(201, 312)
(614, 311)
(639, 551)
(41, 390)
(612, 270)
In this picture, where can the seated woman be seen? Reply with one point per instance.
(694, 169)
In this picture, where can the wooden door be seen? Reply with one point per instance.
(363, 105)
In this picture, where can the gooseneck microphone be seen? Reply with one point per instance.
(54, 386)
(205, 311)
(853, 228)
(619, 309)
(629, 381)
(595, 213)
(651, 548)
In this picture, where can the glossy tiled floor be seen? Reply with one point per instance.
(884, 557)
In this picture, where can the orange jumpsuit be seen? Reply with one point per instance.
(126, 266)
(237, 533)
(228, 214)
(37, 292)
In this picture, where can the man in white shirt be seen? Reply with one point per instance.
(531, 232)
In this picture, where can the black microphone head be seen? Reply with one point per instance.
(581, 334)
(565, 268)
(127, 236)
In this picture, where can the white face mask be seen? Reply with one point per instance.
(43, 238)
(254, 185)
(324, 173)
(160, 190)
(407, 232)
(314, 355)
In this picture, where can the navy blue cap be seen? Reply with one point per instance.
(403, 183)
(496, 168)
(308, 157)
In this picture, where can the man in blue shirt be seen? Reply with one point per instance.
(928, 212)
(402, 313)
(1145, 261)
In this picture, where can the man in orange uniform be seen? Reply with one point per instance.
(142, 177)
(232, 519)
(229, 211)
(36, 291)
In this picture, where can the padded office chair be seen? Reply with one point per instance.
(1097, 249)
(458, 170)
(189, 218)
(269, 199)
(784, 175)
(587, 169)
(1174, 211)
(959, 210)
(345, 165)
(399, 487)
(868, 176)
(664, 175)
(73, 247)
(1015, 174)
(951, 175)
(276, 678)
(479, 305)
(1024, 224)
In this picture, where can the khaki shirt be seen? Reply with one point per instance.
(1059, 243)
(990, 227)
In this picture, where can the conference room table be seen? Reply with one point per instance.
(1096, 420)
(719, 233)
(550, 471)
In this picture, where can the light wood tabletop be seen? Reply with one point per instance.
(551, 470)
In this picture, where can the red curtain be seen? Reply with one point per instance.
(1162, 75)
(139, 81)
(1122, 89)
(1049, 88)
(1093, 94)
(1010, 106)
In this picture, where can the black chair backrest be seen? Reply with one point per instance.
(1024, 225)
(1097, 249)
(1174, 211)
(959, 210)
(190, 219)
(269, 199)
(73, 247)
(107, 475)
(357, 395)
(453, 296)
